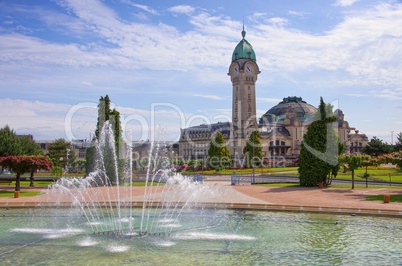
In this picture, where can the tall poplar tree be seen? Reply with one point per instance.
(113, 117)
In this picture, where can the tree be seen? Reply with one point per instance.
(253, 150)
(376, 147)
(218, 153)
(398, 142)
(78, 166)
(354, 162)
(103, 113)
(90, 162)
(320, 148)
(57, 152)
(394, 158)
(30, 147)
(113, 117)
(23, 164)
(9, 142)
(12, 144)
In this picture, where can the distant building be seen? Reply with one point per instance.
(281, 128)
(142, 152)
(78, 148)
(194, 141)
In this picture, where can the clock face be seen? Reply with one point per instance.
(249, 69)
(236, 70)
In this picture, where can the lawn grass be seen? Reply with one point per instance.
(37, 183)
(375, 174)
(5, 193)
(331, 186)
(393, 198)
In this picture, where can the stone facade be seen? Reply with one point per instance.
(77, 149)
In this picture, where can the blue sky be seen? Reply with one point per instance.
(164, 64)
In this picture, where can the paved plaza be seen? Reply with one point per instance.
(313, 199)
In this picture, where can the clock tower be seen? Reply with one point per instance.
(243, 72)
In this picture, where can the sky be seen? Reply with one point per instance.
(164, 64)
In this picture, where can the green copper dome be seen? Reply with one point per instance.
(302, 109)
(244, 50)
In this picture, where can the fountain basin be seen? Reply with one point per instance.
(239, 237)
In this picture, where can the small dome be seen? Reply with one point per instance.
(294, 104)
(243, 50)
(338, 112)
(353, 131)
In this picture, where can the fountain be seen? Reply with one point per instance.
(106, 197)
(104, 220)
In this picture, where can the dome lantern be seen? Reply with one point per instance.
(243, 50)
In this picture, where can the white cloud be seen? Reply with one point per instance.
(182, 9)
(210, 97)
(269, 100)
(389, 94)
(258, 17)
(365, 45)
(142, 7)
(46, 120)
(297, 13)
(344, 3)
(116, 55)
(31, 50)
(281, 22)
(43, 120)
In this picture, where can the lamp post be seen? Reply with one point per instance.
(253, 177)
(61, 166)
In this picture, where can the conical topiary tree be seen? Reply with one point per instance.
(320, 148)
(218, 153)
(253, 150)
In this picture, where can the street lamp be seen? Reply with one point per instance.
(61, 167)
(253, 179)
